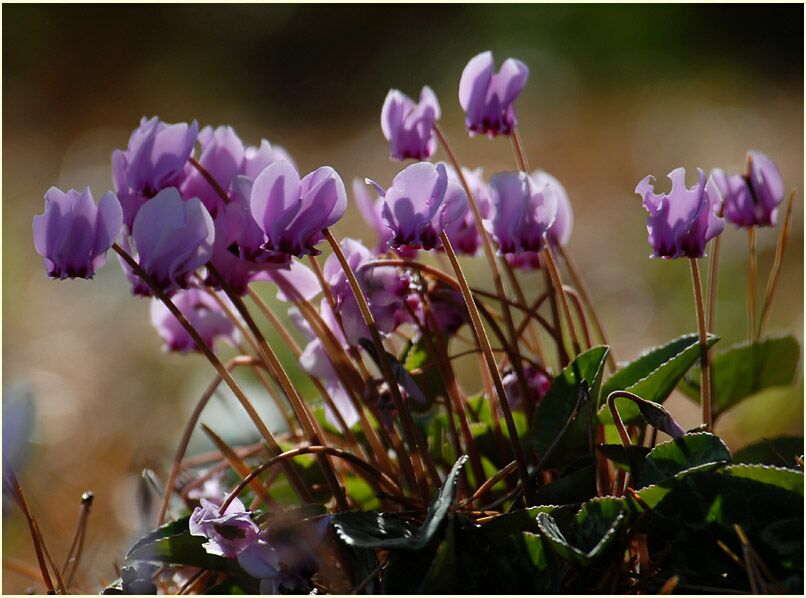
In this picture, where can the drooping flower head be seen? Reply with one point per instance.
(202, 311)
(419, 204)
(173, 238)
(409, 127)
(681, 222)
(751, 200)
(73, 234)
(523, 212)
(228, 534)
(487, 97)
(560, 231)
(154, 160)
(292, 212)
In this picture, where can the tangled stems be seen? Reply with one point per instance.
(705, 372)
(294, 478)
(484, 343)
(414, 438)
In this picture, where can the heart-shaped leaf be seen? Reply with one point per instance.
(788, 479)
(693, 452)
(744, 369)
(772, 451)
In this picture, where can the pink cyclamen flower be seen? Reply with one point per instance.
(420, 203)
(682, 222)
(523, 212)
(154, 160)
(173, 238)
(752, 200)
(487, 97)
(293, 212)
(560, 231)
(228, 534)
(202, 311)
(409, 127)
(73, 234)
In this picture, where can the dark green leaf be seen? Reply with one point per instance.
(567, 401)
(572, 487)
(788, 479)
(696, 451)
(671, 362)
(387, 531)
(779, 451)
(622, 456)
(745, 368)
(441, 577)
(595, 528)
(659, 364)
(400, 373)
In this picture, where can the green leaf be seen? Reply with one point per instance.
(693, 452)
(772, 451)
(566, 401)
(573, 486)
(788, 479)
(441, 577)
(622, 456)
(653, 376)
(418, 400)
(595, 528)
(378, 530)
(173, 544)
(655, 367)
(743, 369)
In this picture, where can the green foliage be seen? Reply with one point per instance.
(562, 429)
(744, 369)
(772, 451)
(683, 455)
(653, 376)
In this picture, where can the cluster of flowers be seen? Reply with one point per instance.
(202, 213)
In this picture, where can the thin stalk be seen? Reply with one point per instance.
(713, 271)
(576, 279)
(562, 354)
(416, 442)
(751, 283)
(484, 342)
(76, 546)
(487, 243)
(557, 283)
(294, 478)
(520, 152)
(772, 281)
(376, 477)
(577, 302)
(705, 371)
(309, 425)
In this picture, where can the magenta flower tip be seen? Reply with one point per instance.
(73, 234)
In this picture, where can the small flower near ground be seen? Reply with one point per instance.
(293, 212)
(204, 314)
(409, 126)
(228, 534)
(487, 97)
(681, 222)
(73, 234)
(537, 382)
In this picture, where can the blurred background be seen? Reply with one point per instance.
(616, 93)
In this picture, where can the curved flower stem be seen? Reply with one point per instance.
(618, 488)
(705, 372)
(751, 283)
(374, 476)
(309, 425)
(241, 360)
(489, 252)
(772, 281)
(527, 321)
(415, 439)
(557, 283)
(576, 279)
(484, 342)
(76, 546)
(492, 481)
(570, 292)
(293, 475)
